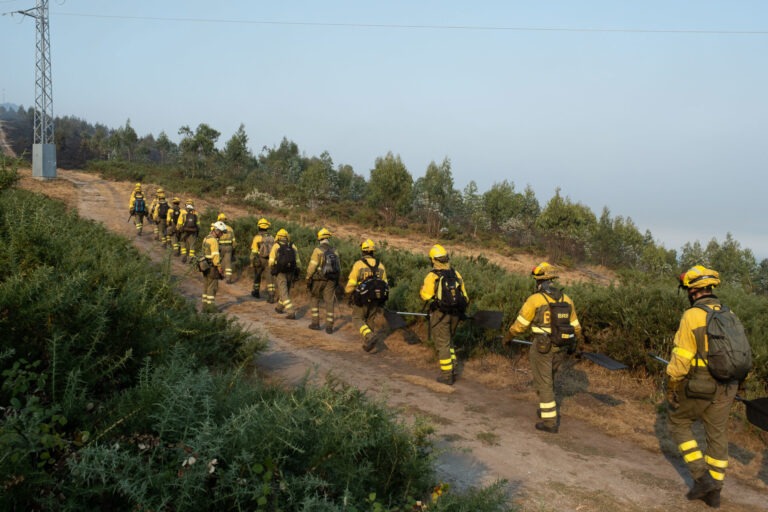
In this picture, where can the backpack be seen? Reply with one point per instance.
(175, 216)
(373, 289)
(449, 297)
(265, 247)
(730, 356)
(562, 333)
(286, 260)
(139, 204)
(190, 223)
(331, 268)
(162, 211)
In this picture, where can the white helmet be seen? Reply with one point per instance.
(220, 226)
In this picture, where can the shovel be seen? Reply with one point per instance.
(597, 358)
(757, 409)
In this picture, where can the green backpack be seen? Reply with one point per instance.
(730, 356)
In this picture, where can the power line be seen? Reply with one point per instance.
(420, 27)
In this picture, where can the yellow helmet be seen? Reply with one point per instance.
(438, 252)
(176, 200)
(282, 235)
(544, 271)
(323, 234)
(161, 195)
(137, 186)
(699, 277)
(368, 246)
(221, 217)
(263, 223)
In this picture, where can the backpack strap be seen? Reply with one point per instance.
(374, 268)
(700, 349)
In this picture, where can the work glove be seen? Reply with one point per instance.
(672, 395)
(507, 339)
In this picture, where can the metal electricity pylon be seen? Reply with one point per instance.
(43, 148)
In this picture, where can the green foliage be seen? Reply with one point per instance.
(9, 174)
(390, 187)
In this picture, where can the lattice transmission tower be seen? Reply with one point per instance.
(44, 147)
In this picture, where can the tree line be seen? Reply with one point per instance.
(281, 175)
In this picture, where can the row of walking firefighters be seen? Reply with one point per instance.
(698, 387)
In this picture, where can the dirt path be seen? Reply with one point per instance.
(488, 430)
(5, 146)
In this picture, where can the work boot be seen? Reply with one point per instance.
(279, 309)
(139, 232)
(271, 299)
(291, 315)
(446, 378)
(702, 486)
(255, 293)
(229, 280)
(315, 326)
(184, 258)
(552, 429)
(369, 343)
(329, 328)
(713, 499)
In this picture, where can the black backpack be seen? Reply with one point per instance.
(730, 356)
(190, 223)
(373, 290)
(175, 216)
(139, 204)
(562, 333)
(331, 268)
(162, 211)
(449, 297)
(286, 260)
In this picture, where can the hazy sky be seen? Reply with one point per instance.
(667, 128)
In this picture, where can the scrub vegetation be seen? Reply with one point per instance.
(117, 395)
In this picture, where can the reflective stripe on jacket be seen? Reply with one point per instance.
(211, 249)
(693, 328)
(360, 272)
(535, 314)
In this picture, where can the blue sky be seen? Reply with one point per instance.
(667, 128)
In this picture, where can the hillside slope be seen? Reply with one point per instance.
(486, 420)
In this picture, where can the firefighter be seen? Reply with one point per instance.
(261, 247)
(211, 265)
(189, 226)
(284, 265)
(138, 208)
(547, 353)
(174, 233)
(227, 244)
(688, 375)
(322, 280)
(447, 298)
(153, 213)
(160, 217)
(366, 272)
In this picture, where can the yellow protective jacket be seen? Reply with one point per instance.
(133, 200)
(228, 237)
(317, 259)
(693, 329)
(428, 287)
(133, 195)
(360, 272)
(153, 207)
(535, 313)
(211, 249)
(273, 255)
(155, 211)
(183, 220)
(169, 216)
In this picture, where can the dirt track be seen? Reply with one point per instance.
(487, 430)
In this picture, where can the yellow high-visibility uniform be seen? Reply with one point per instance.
(188, 238)
(283, 281)
(211, 276)
(688, 364)
(545, 358)
(227, 244)
(442, 325)
(260, 264)
(321, 288)
(364, 316)
(174, 233)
